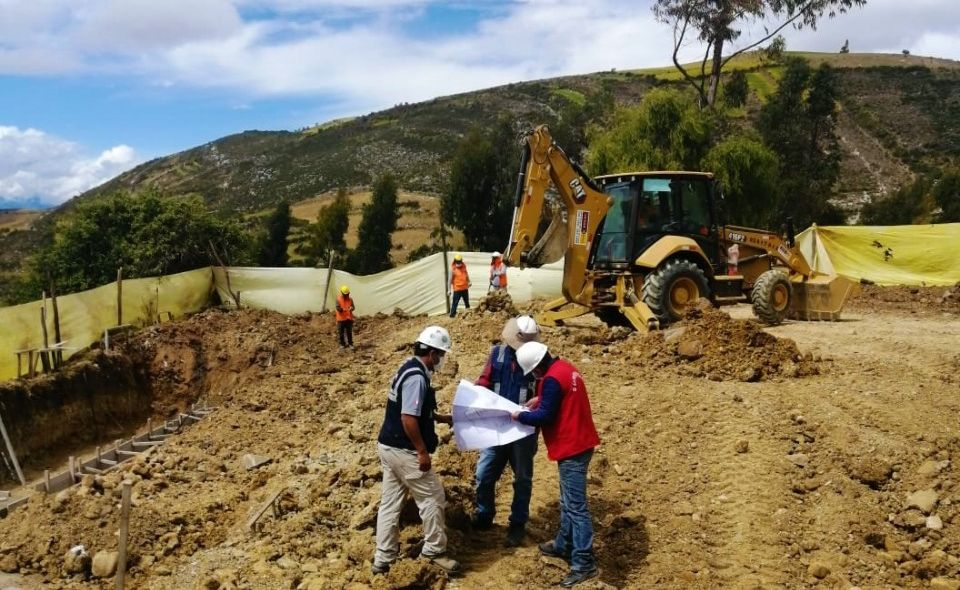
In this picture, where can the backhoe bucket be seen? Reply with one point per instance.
(821, 298)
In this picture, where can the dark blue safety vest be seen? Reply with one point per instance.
(391, 433)
(507, 377)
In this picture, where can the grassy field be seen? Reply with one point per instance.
(419, 215)
(12, 220)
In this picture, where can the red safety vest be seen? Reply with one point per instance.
(572, 432)
(344, 311)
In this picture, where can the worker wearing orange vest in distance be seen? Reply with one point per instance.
(498, 273)
(344, 315)
(459, 283)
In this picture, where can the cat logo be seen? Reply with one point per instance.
(578, 193)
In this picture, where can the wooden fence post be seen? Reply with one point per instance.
(124, 532)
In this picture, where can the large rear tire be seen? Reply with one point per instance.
(771, 297)
(673, 288)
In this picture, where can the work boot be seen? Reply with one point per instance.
(549, 549)
(449, 565)
(380, 568)
(574, 578)
(515, 535)
(478, 522)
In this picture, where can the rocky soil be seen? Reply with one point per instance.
(809, 455)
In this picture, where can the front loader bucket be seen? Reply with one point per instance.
(821, 298)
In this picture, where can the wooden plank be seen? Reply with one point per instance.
(252, 521)
(128, 454)
(11, 454)
(108, 462)
(144, 444)
(92, 470)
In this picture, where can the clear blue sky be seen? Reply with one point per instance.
(89, 88)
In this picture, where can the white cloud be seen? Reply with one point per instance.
(34, 164)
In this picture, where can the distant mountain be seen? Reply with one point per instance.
(30, 203)
(898, 115)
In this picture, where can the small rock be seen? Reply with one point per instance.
(690, 349)
(251, 461)
(934, 523)
(929, 468)
(748, 375)
(743, 446)
(618, 469)
(683, 509)
(942, 583)
(799, 459)
(818, 569)
(76, 561)
(8, 564)
(104, 564)
(924, 500)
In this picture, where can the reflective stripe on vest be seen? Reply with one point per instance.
(507, 377)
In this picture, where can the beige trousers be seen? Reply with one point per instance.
(401, 473)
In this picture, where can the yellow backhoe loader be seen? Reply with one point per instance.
(639, 248)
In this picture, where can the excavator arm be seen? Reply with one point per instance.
(583, 203)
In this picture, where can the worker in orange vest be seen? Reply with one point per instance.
(459, 284)
(344, 315)
(498, 273)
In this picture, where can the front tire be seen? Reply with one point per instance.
(673, 288)
(771, 297)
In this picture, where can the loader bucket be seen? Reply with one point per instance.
(821, 298)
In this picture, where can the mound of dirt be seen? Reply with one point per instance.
(498, 301)
(917, 300)
(709, 343)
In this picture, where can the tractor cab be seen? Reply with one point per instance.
(646, 206)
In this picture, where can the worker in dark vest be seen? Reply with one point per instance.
(344, 315)
(407, 439)
(562, 409)
(459, 284)
(505, 377)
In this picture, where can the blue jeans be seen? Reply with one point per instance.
(575, 536)
(519, 454)
(457, 297)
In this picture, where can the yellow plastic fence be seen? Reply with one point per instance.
(85, 315)
(886, 255)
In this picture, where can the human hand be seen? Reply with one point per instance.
(532, 402)
(423, 460)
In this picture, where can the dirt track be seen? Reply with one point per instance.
(781, 481)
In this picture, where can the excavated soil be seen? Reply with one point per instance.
(908, 299)
(804, 475)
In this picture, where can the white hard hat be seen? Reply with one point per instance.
(435, 337)
(496, 254)
(530, 354)
(520, 330)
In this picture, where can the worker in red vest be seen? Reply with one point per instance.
(459, 284)
(498, 273)
(562, 410)
(344, 315)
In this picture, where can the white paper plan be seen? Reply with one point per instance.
(481, 418)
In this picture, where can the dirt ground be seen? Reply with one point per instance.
(732, 457)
